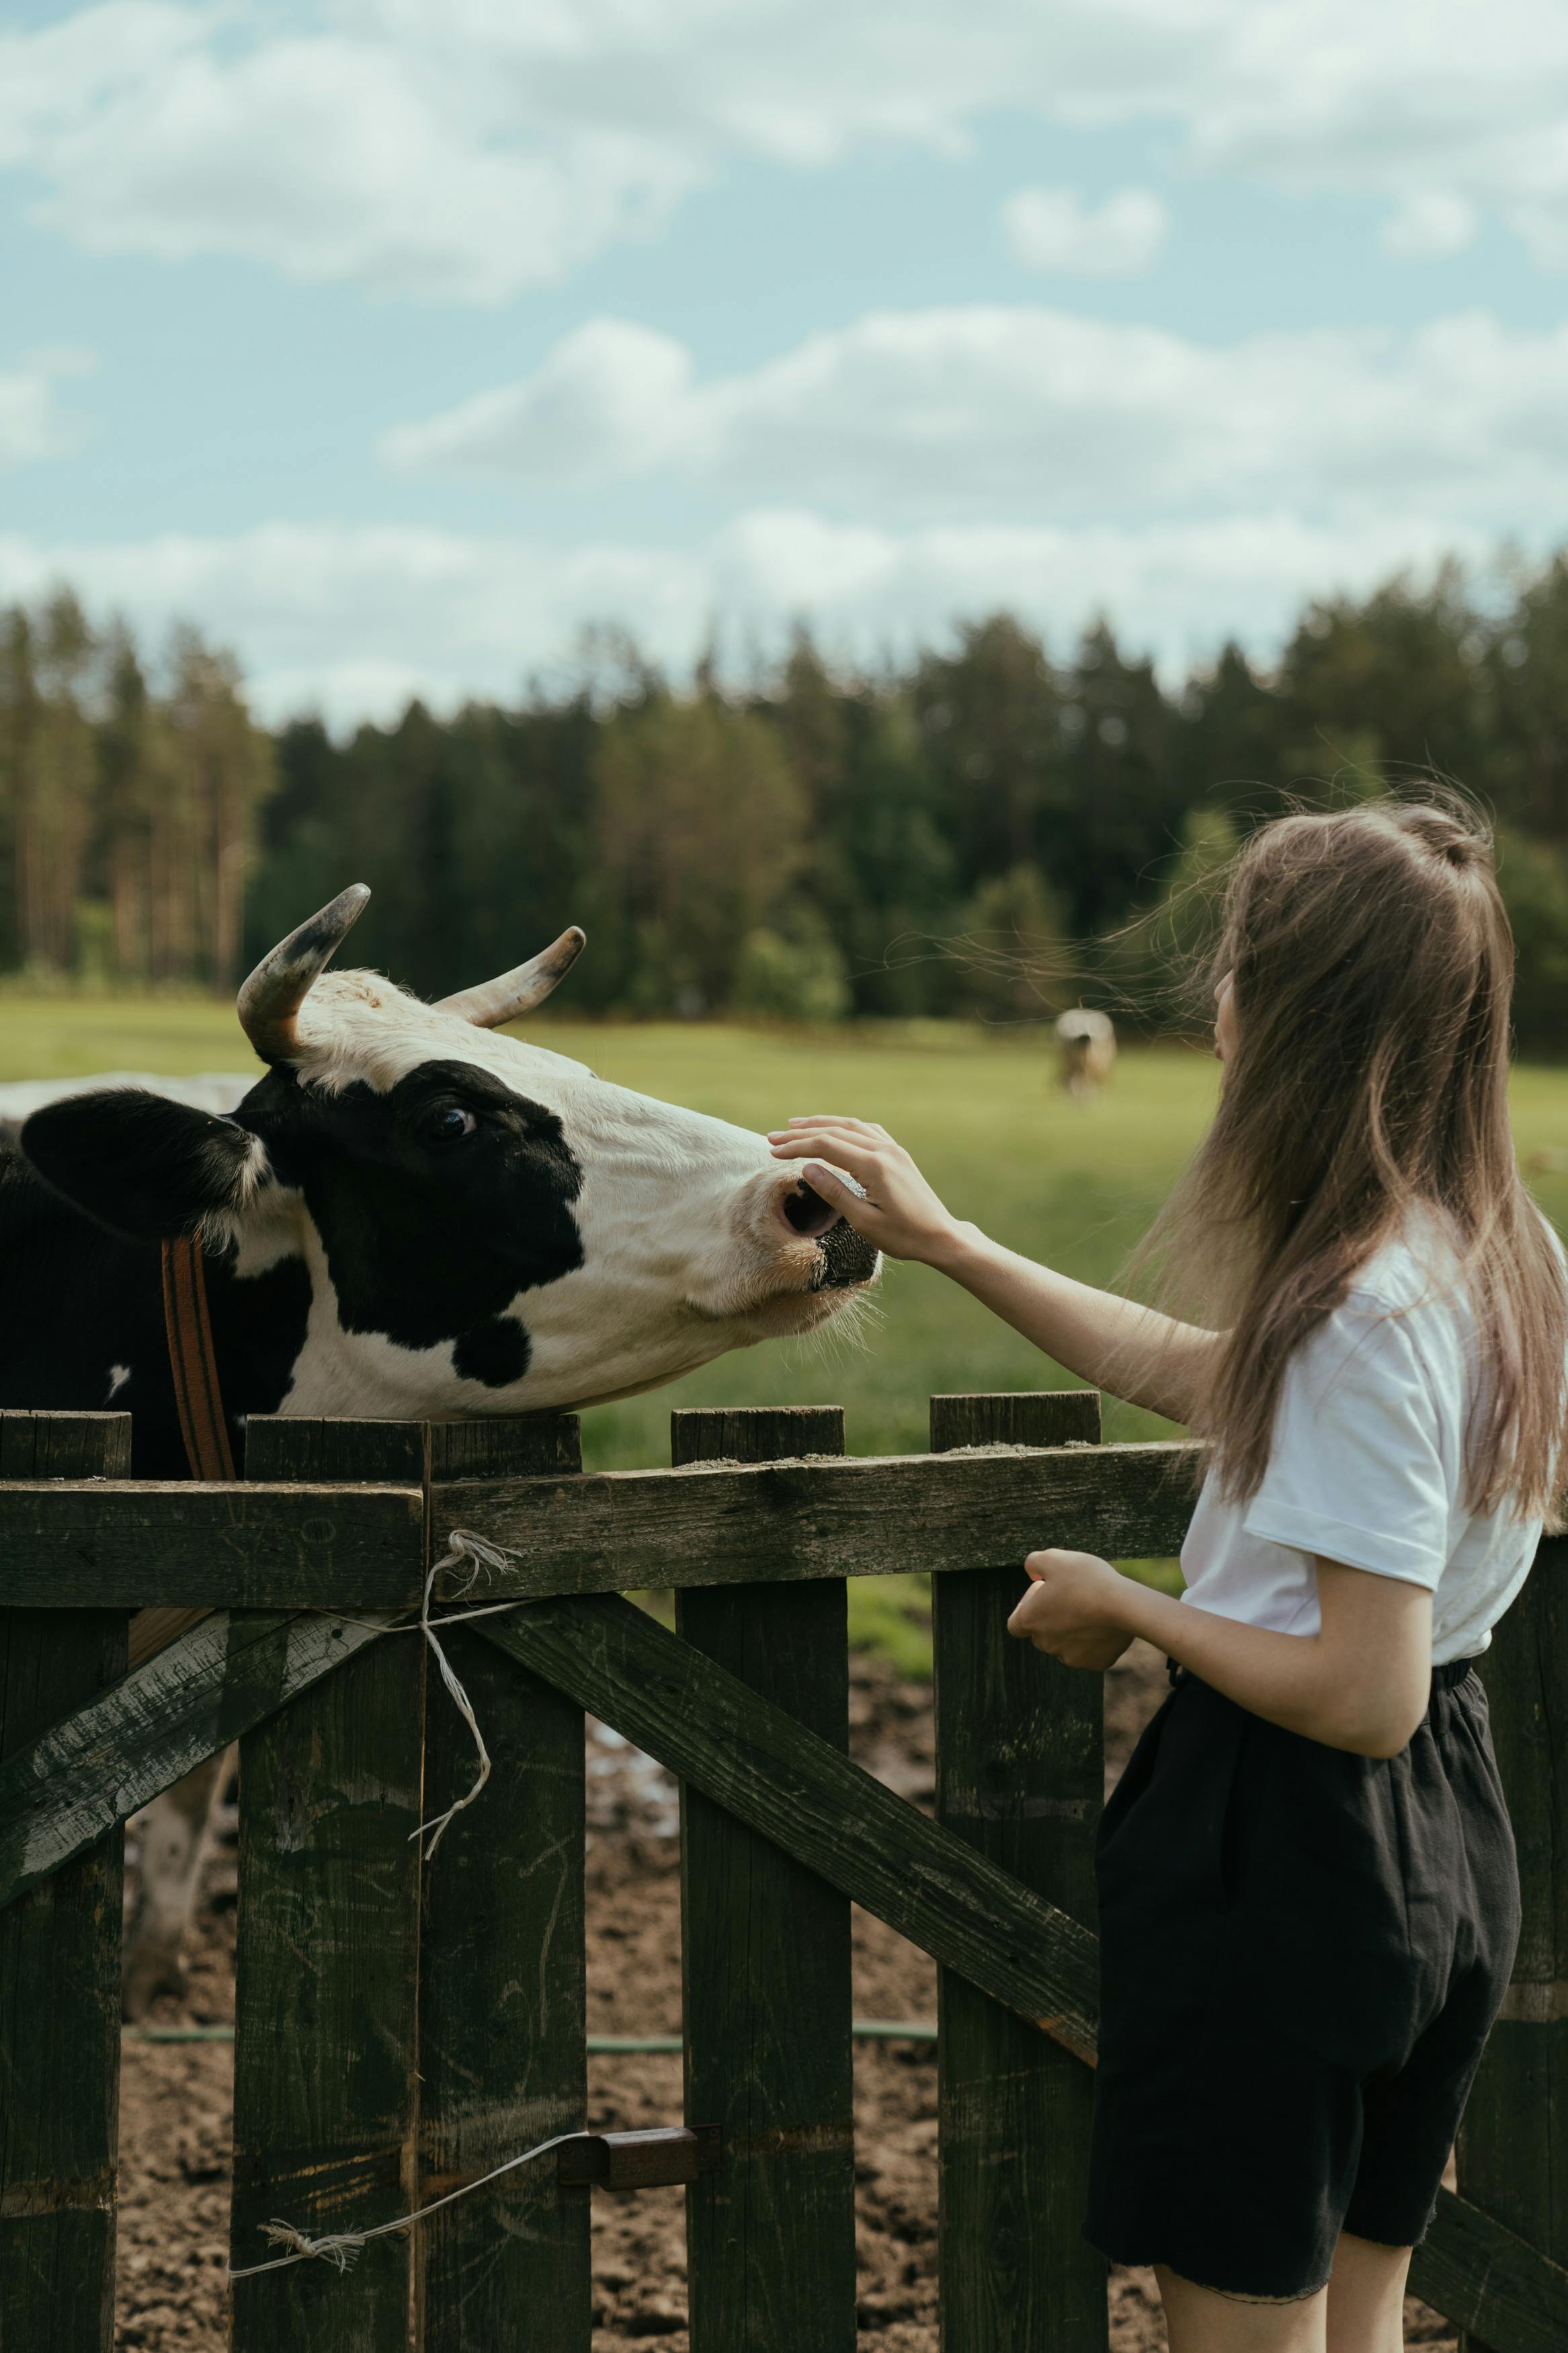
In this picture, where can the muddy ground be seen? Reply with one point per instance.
(175, 2097)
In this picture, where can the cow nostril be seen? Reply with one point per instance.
(806, 1211)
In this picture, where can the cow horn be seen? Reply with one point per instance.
(270, 999)
(519, 991)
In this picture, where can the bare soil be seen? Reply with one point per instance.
(175, 2098)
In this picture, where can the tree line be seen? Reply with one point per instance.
(982, 829)
(127, 815)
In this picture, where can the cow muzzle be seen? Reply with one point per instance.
(792, 1263)
(841, 1258)
(845, 1258)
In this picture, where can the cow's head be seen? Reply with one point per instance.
(488, 1226)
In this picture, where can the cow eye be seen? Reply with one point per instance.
(446, 1126)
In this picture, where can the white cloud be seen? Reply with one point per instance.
(353, 621)
(611, 398)
(326, 155)
(32, 423)
(1429, 224)
(1052, 228)
(1024, 411)
(467, 148)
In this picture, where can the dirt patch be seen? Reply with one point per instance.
(175, 2097)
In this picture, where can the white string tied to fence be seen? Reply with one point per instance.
(461, 1544)
(340, 2248)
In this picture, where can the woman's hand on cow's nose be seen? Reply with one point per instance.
(896, 1208)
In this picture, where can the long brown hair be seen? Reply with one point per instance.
(1372, 967)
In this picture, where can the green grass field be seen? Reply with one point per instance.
(1071, 1184)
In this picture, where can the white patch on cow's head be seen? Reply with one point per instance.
(360, 1027)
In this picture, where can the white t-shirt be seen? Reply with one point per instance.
(1367, 1467)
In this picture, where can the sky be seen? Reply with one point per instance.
(397, 344)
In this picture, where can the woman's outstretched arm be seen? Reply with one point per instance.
(1148, 1358)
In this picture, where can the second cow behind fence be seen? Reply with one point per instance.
(1086, 1044)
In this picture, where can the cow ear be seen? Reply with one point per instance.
(143, 1166)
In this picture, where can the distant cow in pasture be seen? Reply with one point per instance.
(409, 1217)
(1086, 1048)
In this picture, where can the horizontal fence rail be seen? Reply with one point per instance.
(126, 1544)
(432, 2014)
(873, 1515)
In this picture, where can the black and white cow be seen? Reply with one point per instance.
(411, 1216)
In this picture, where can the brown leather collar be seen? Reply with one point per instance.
(194, 1363)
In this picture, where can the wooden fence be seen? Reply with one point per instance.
(401, 2028)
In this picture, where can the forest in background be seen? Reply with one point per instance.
(981, 830)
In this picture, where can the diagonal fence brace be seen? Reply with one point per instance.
(713, 1731)
(82, 1778)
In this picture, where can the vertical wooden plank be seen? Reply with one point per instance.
(327, 1995)
(59, 1959)
(1513, 2144)
(392, 1453)
(502, 1971)
(766, 1968)
(524, 1445)
(1019, 1774)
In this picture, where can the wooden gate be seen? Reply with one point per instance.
(402, 2028)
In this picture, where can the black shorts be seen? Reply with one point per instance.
(1302, 1954)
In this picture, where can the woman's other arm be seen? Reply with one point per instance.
(1150, 1359)
(1361, 1683)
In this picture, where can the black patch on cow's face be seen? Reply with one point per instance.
(437, 1202)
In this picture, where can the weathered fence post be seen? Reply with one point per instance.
(327, 1993)
(1020, 1775)
(502, 2038)
(1513, 2145)
(766, 1944)
(59, 1959)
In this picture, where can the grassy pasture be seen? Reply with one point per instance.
(1072, 1184)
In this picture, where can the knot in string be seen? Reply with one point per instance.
(339, 2248)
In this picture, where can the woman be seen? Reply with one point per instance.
(1309, 1902)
